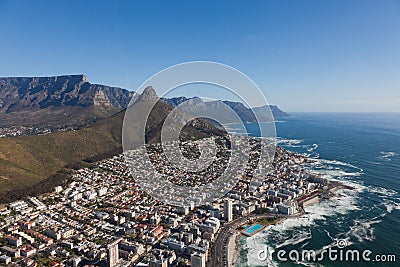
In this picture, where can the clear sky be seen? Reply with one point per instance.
(305, 55)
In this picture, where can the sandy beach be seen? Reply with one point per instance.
(233, 249)
(311, 201)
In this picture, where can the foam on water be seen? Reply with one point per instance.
(335, 212)
(390, 199)
(392, 206)
(362, 229)
(337, 163)
(382, 191)
(337, 173)
(298, 143)
(288, 142)
(255, 244)
(299, 228)
(301, 237)
(387, 155)
(312, 148)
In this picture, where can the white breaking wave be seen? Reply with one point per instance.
(276, 236)
(295, 231)
(363, 230)
(313, 147)
(297, 143)
(337, 173)
(255, 244)
(288, 142)
(388, 155)
(301, 237)
(389, 198)
(390, 206)
(311, 151)
(382, 191)
(338, 163)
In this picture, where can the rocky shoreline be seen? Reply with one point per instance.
(233, 248)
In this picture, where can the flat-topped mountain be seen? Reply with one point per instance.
(58, 101)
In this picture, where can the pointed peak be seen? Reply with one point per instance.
(84, 78)
(149, 94)
(149, 91)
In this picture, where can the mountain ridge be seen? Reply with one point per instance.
(246, 114)
(58, 100)
(71, 101)
(27, 163)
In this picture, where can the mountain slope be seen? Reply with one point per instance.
(28, 160)
(67, 100)
(262, 112)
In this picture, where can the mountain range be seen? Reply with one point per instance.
(71, 100)
(35, 163)
(247, 115)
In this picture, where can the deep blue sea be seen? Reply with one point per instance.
(362, 150)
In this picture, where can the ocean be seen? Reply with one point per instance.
(359, 149)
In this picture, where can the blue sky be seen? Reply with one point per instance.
(304, 55)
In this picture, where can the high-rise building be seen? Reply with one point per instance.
(158, 262)
(228, 210)
(112, 253)
(198, 260)
(214, 212)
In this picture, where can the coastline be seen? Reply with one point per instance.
(233, 247)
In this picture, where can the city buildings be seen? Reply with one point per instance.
(102, 216)
(198, 260)
(112, 253)
(228, 211)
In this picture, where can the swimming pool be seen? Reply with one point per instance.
(253, 229)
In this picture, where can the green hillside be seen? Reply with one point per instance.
(34, 164)
(24, 161)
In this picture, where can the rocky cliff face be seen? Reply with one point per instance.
(19, 93)
(45, 97)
